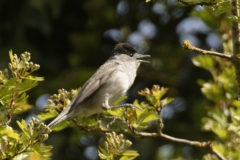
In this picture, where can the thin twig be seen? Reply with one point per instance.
(187, 45)
(80, 126)
(11, 106)
(207, 145)
(217, 154)
(197, 3)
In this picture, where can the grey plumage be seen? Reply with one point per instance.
(107, 85)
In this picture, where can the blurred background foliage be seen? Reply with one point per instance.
(71, 39)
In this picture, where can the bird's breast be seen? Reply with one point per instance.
(118, 85)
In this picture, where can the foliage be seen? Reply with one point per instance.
(222, 90)
(224, 113)
(80, 26)
(13, 89)
(13, 101)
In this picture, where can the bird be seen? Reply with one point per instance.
(109, 83)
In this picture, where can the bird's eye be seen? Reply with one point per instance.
(131, 54)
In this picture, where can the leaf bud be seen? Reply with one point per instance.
(128, 143)
(10, 66)
(36, 66)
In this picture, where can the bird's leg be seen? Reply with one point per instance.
(114, 119)
(106, 106)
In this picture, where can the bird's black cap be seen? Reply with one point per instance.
(124, 48)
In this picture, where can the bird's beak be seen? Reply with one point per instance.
(139, 56)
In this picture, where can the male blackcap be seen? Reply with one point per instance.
(110, 82)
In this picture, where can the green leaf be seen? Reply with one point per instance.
(30, 156)
(206, 17)
(152, 100)
(238, 55)
(129, 155)
(115, 112)
(120, 100)
(21, 98)
(235, 129)
(21, 65)
(11, 83)
(218, 123)
(23, 126)
(236, 103)
(25, 85)
(8, 89)
(159, 93)
(22, 108)
(166, 101)
(34, 78)
(48, 115)
(42, 150)
(205, 61)
(11, 58)
(61, 126)
(103, 154)
(222, 7)
(138, 111)
(212, 91)
(143, 118)
(151, 116)
(87, 121)
(234, 19)
(9, 132)
(219, 147)
(220, 130)
(23, 156)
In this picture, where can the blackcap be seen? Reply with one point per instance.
(109, 83)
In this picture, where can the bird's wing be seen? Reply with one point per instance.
(100, 77)
(95, 82)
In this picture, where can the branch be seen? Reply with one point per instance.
(197, 3)
(81, 127)
(132, 131)
(187, 45)
(236, 28)
(207, 145)
(236, 42)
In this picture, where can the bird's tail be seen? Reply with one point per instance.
(56, 121)
(64, 115)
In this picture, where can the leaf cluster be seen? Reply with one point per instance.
(224, 115)
(13, 87)
(13, 100)
(28, 143)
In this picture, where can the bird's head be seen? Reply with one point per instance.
(128, 51)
